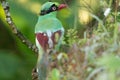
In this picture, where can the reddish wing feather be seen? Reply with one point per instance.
(43, 39)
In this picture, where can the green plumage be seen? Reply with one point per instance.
(48, 22)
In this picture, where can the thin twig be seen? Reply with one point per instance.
(94, 72)
(14, 28)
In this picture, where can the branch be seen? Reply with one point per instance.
(14, 28)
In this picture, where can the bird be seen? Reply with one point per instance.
(49, 33)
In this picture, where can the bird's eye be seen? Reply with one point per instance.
(54, 8)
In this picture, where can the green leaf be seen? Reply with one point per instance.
(55, 74)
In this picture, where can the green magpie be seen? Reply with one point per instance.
(49, 33)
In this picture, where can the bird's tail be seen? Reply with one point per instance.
(42, 67)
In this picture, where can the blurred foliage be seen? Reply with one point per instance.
(91, 43)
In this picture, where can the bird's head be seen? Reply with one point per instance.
(49, 7)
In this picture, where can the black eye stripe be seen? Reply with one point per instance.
(51, 9)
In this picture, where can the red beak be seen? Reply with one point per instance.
(61, 6)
